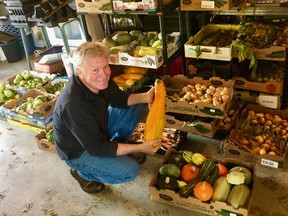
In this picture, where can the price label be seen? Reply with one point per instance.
(269, 163)
(207, 4)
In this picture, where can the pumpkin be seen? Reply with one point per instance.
(189, 172)
(155, 121)
(203, 191)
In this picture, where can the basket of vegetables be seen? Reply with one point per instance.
(260, 136)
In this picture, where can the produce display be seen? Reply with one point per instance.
(45, 140)
(263, 134)
(48, 135)
(255, 35)
(7, 94)
(56, 88)
(226, 124)
(27, 80)
(219, 38)
(194, 175)
(270, 71)
(137, 43)
(202, 93)
(129, 76)
(171, 138)
(30, 104)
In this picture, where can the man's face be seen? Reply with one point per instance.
(95, 73)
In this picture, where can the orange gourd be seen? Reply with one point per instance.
(189, 172)
(155, 121)
(203, 191)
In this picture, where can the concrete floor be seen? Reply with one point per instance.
(34, 182)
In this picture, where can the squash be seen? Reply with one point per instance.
(222, 169)
(239, 196)
(167, 182)
(235, 178)
(177, 159)
(155, 121)
(181, 184)
(203, 191)
(221, 189)
(187, 155)
(135, 70)
(170, 170)
(198, 159)
(189, 172)
(204, 172)
(246, 172)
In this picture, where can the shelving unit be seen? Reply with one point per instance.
(269, 11)
(162, 12)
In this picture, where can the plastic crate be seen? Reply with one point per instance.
(21, 3)
(6, 26)
(5, 37)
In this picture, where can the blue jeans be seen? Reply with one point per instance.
(112, 170)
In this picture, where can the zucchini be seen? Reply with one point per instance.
(205, 170)
(213, 175)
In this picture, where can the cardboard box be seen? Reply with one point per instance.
(94, 7)
(203, 109)
(2, 114)
(273, 53)
(191, 203)
(209, 52)
(28, 126)
(272, 101)
(274, 87)
(43, 143)
(233, 150)
(143, 5)
(49, 68)
(205, 5)
(62, 80)
(147, 6)
(269, 192)
(39, 117)
(22, 90)
(146, 61)
(225, 125)
(202, 126)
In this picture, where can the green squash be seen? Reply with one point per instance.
(170, 169)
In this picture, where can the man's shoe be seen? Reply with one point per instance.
(139, 157)
(88, 186)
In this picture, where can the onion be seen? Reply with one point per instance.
(263, 151)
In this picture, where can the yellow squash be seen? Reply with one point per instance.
(155, 121)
